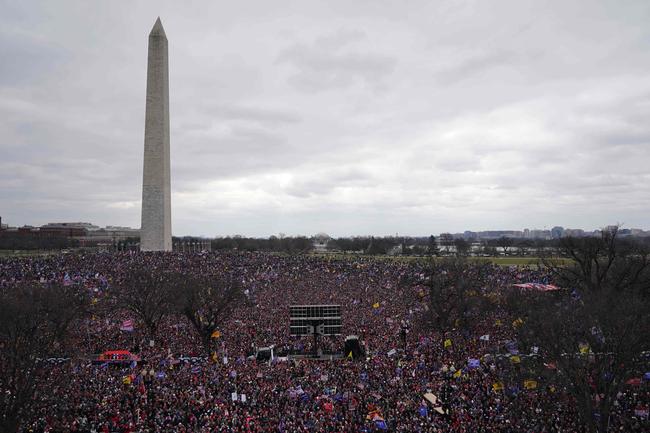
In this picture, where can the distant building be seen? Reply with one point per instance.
(319, 242)
(574, 233)
(190, 244)
(639, 232)
(89, 235)
(540, 234)
(470, 236)
(496, 234)
(107, 237)
(68, 230)
(557, 232)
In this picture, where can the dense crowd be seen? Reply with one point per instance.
(178, 387)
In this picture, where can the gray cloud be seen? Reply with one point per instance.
(475, 64)
(334, 61)
(344, 117)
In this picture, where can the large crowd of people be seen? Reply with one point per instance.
(179, 387)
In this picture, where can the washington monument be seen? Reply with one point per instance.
(156, 228)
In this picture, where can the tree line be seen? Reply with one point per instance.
(32, 241)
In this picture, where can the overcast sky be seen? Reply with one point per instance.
(345, 117)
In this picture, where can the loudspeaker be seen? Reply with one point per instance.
(352, 345)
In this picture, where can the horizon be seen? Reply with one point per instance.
(353, 235)
(332, 117)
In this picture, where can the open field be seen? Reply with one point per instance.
(26, 253)
(519, 261)
(501, 261)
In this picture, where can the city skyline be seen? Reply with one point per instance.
(526, 232)
(332, 117)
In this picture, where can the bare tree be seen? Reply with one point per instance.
(61, 306)
(454, 291)
(603, 262)
(524, 246)
(148, 293)
(446, 241)
(462, 247)
(594, 334)
(207, 303)
(34, 318)
(505, 243)
(432, 246)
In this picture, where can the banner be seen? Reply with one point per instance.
(127, 325)
(530, 384)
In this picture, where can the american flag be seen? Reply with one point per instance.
(127, 325)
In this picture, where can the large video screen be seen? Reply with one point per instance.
(303, 317)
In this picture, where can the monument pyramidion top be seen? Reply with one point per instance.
(157, 30)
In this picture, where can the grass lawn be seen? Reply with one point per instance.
(26, 253)
(501, 261)
(519, 261)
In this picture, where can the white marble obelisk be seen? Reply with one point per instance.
(156, 229)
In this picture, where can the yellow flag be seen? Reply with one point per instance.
(214, 356)
(530, 384)
(517, 323)
(215, 334)
(458, 373)
(497, 386)
(497, 322)
(375, 305)
(584, 348)
(350, 355)
(126, 380)
(515, 359)
(447, 343)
